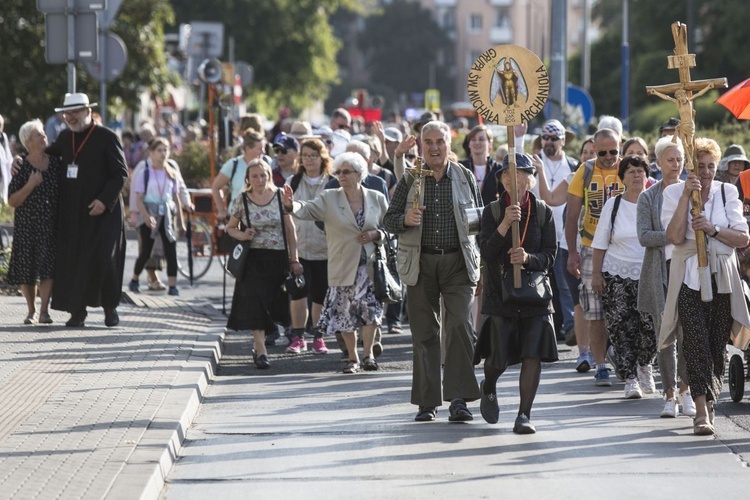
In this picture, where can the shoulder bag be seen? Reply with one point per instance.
(293, 284)
(385, 273)
(237, 258)
(535, 289)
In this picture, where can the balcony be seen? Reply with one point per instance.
(445, 3)
(501, 35)
(501, 3)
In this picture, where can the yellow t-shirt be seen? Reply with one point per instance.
(604, 185)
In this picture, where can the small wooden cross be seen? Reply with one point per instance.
(419, 173)
(683, 98)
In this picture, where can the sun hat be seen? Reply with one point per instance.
(75, 101)
(523, 162)
(735, 152)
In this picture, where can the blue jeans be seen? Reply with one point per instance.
(566, 300)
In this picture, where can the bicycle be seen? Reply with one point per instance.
(202, 224)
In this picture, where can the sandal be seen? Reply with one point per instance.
(351, 367)
(702, 427)
(369, 364)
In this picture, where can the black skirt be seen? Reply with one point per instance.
(505, 341)
(258, 302)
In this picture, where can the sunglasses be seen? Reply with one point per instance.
(550, 138)
(279, 151)
(613, 152)
(343, 172)
(410, 157)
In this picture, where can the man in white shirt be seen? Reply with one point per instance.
(557, 167)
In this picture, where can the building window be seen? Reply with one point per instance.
(473, 56)
(475, 23)
(502, 17)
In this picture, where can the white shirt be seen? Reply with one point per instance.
(714, 210)
(6, 161)
(624, 255)
(556, 171)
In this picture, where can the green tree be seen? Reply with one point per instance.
(720, 28)
(32, 88)
(289, 43)
(402, 44)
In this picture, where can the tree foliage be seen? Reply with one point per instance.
(400, 45)
(289, 43)
(720, 40)
(32, 88)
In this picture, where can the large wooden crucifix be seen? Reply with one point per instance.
(683, 98)
(419, 173)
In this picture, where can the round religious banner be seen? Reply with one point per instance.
(508, 85)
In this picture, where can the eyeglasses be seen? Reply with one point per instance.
(280, 151)
(550, 138)
(343, 172)
(613, 152)
(310, 157)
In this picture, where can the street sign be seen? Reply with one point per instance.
(432, 99)
(115, 54)
(107, 16)
(579, 110)
(56, 38)
(60, 6)
(206, 39)
(245, 72)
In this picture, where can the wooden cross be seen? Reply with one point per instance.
(683, 98)
(418, 172)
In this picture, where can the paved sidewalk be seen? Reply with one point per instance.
(100, 412)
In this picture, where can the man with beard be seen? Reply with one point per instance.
(91, 238)
(557, 167)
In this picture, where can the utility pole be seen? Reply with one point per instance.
(559, 58)
(625, 64)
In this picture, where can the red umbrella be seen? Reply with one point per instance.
(737, 100)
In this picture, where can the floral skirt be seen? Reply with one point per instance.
(346, 308)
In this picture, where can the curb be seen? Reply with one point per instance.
(144, 474)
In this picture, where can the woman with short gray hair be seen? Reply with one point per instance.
(353, 215)
(33, 192)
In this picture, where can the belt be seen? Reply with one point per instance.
(439, 251)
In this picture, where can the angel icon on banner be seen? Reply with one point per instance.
(508, 83)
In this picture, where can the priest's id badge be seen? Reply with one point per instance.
(72, 171)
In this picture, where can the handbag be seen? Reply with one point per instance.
(385, 275)
(225, 244)
(237, 256)
(292, 284)
(535, 289)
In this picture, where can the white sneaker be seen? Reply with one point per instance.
(670, 409)
(646, 379)
(687, 405)
(633, 389)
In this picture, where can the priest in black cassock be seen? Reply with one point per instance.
(91, 236)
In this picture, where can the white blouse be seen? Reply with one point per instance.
(729, 215)
(624, 256)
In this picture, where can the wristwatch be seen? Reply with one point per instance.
(716, 231)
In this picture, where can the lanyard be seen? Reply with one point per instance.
(73, 140)
(163, 184)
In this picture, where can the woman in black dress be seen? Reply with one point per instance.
(256, 216)
(515, 333)
(33, 192)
